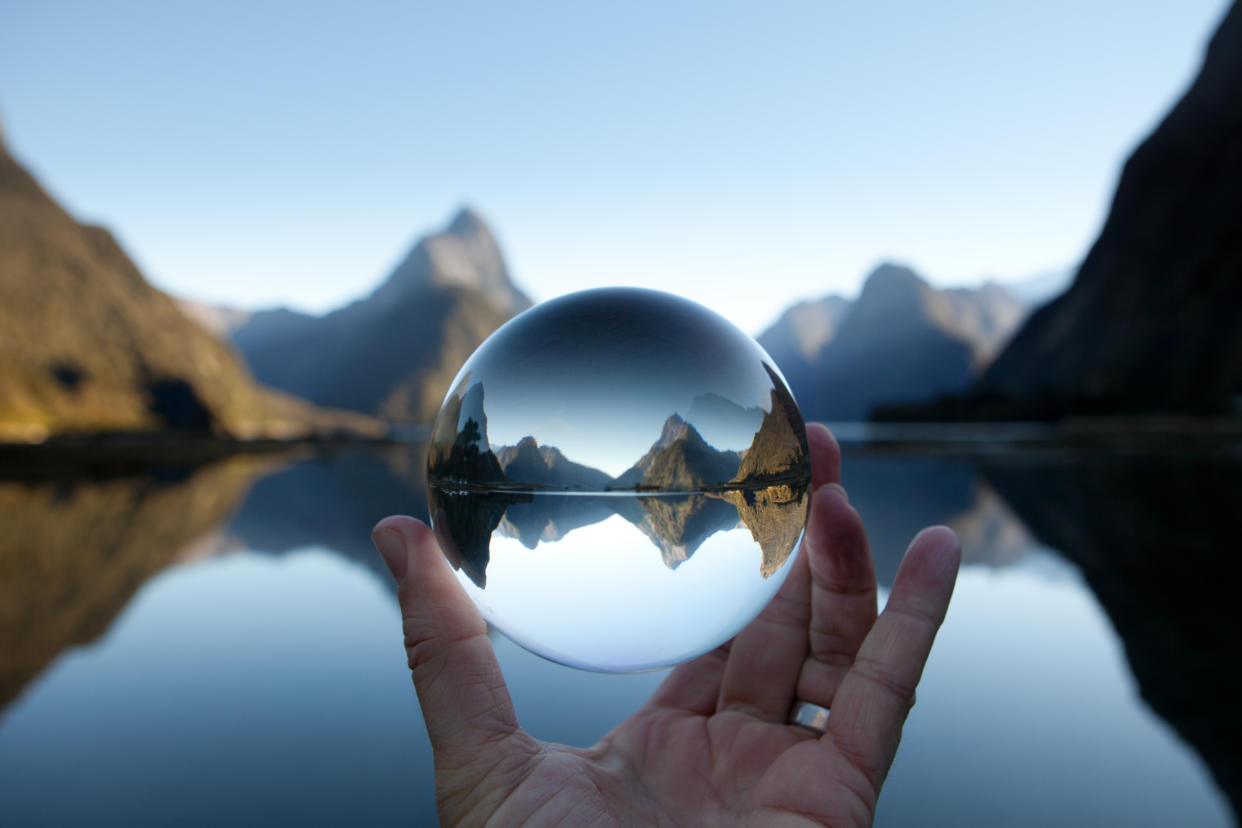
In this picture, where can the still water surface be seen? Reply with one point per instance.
(223, 646)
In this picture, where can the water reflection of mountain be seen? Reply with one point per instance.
(677, 524)
(332, 500)
(461, 454)
(1153, 535)
(897, 495)
(478, 489)
(549, 519)
(1156, 538)
(74, 552)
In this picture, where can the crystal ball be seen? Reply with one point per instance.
(620, 478)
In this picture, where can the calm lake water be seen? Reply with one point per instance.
(222, 645)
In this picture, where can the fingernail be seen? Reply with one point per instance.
(839, 489)
(391, 547)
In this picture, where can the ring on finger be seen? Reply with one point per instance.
(811, 716)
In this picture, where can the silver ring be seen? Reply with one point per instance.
(810, 716)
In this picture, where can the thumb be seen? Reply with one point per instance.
(465, 703)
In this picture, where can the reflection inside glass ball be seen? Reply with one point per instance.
(620, 478)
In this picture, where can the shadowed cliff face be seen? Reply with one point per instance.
(1153, 321)
(73, 553)
(1157, 539)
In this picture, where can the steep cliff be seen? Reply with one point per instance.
(89, 345)
(1153, 321)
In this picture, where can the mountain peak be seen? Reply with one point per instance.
(468, 223)
(462, 255)
(901, 339)
(1151, 323)
(675, 428)
(889, 277)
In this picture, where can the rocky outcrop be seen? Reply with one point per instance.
(680, 461)
(88, 345)
(779, 453)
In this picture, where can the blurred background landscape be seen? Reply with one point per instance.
(243, 252)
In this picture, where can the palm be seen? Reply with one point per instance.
(707, 769)
(712, 745)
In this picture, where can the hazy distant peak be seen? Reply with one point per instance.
(464, 254)
(804, 329)
(468, 223)
(893, 300)
(218, 319)
(889, 277)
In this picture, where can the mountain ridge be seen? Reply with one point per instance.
(1151, 323)
(91, 346)
(394, 352)
(900, 340)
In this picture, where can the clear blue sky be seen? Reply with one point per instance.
(742, 154)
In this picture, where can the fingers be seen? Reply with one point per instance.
(875, 695)
(694, 685)
(825, 455)
(464, 700)
(843, 593)
(767, 656)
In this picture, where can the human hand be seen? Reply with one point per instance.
(713, 745)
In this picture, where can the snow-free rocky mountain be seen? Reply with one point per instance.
(395, 352)
(1153, 321)
(900, 341)
(88, 345)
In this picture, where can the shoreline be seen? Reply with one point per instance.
(124, 452)
(116, 450)
(1120, 435)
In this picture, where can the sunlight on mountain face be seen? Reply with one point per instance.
(620, 478)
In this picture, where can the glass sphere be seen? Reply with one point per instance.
(620, 478)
